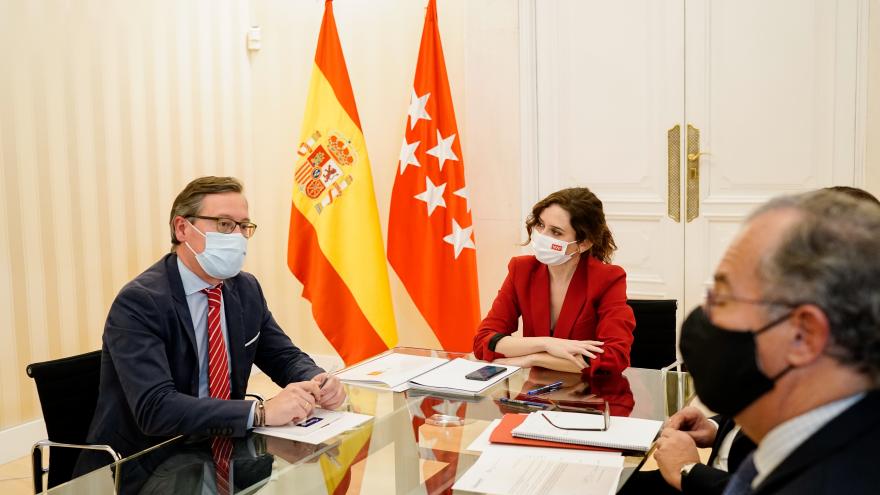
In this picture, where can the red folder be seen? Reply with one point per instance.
(503, 434)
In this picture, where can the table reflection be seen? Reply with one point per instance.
(403, 449)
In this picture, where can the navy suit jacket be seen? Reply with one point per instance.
(839, 458)
(703, 478)
(150, 369)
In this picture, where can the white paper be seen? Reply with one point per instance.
(403, 387)
(451, 377)
(623, 432)
(319, 418)
(574, 420)
(504, 472)
(392, 369)
(344, 421)
(483, 444)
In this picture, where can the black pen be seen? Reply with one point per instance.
(522, 403)
(546, 388)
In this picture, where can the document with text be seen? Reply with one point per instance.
(391, 370)
(499, 472)
(321, 426)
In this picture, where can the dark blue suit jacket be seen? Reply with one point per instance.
(840, 458)
(150, 371)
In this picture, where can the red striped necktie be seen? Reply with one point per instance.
(218, 365)
(218, 384)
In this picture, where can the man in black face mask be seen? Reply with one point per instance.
(788, 343)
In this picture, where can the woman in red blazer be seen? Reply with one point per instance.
(572, 301)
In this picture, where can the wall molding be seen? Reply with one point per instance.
(16, 442)
(861, 94)
(528, 107)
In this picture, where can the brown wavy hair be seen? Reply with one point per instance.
(587, 219)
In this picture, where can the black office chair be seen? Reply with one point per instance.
(68, 390)
(654, 336)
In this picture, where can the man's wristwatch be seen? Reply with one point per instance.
(686, 469)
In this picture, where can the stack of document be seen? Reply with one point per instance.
(451, 378)
(567, 427)
(392, 371)
(399, 372)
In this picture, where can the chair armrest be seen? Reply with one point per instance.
(675, 364)
(664, 372)
(37, 457)
(105, 448)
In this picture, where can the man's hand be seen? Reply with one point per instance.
(674, 450)
(693, 422)
(294, 403)
(332, 394)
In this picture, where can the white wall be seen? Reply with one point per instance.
(113, 105)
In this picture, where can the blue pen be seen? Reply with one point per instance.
(524, 403)
(546, 388)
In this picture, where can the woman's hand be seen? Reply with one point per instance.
(572, 350)
(521, 361)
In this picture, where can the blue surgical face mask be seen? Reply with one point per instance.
(224, 254)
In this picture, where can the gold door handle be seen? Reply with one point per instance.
(693, 173)
(673, 173)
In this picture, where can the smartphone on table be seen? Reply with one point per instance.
(485, 373)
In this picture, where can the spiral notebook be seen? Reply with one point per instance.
(622, 433)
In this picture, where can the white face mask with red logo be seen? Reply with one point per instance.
(550, 251)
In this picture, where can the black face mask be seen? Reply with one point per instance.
(724, 363)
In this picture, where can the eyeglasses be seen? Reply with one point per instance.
(713, 299)
(227, 225)
(585, 410)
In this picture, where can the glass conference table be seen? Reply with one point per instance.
(416, 444)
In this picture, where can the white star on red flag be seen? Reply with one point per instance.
(443, 150)
(463, 193)
(408, 155)
(432, 195)
(460, 238)
(416, 109)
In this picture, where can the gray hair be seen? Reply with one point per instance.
(189, 201)
(831, 258)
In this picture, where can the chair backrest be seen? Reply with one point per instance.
(68, 390)
(654, 336)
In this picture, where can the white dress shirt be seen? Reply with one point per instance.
(198, 311)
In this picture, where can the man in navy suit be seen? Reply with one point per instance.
(680, 468)
(181, 338)
(788, 344)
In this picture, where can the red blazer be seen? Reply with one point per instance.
(594, 309)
